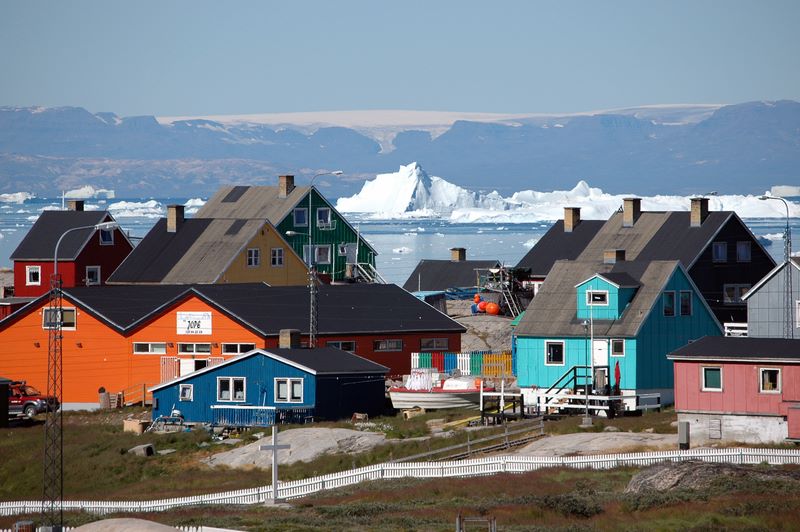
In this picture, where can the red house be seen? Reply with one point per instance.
(739, 389)
(85, 257)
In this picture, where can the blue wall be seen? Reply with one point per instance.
(618, 299)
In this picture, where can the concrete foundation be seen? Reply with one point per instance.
(711, 428)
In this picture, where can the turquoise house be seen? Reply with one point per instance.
(590, 317)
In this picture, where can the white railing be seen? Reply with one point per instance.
(735, 328)
(391, 470)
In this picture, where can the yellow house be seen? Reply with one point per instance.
(178, 250)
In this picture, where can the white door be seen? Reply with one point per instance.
(600, 358)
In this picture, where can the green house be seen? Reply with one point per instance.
(328, 242)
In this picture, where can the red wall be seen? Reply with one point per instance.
(740, 389)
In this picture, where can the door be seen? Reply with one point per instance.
(14, 401)
(600, 358)
(169, 369)
(190, 365)
(351, 253)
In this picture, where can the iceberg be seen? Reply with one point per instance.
(411, 193)
(88, 191)
(16, 197)
(135, 209)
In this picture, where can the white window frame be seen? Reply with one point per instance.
(741, 245)
(64, 310)
(761, 381)
(590, 303)
(317, 249)
(152, 348)
(376, 345)
(622, 354)
(28, 271)
(253, 257)
(93, 268)
(295, 212)
(240, 347)
(680, 302)
(189, 397)
(324, 222)
(339, 344)
(231, 381)
(184, 350)
(435, 341)
(276, 257)
(719, 252)
(105, 242)
(703, 386)
(664, 304)
(341, 250)
(547, 343)
(740, 290)
(290, 397)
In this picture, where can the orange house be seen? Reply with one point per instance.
(125, 338)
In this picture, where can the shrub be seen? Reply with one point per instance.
(573, 505)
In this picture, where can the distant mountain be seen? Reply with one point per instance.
(659, 149)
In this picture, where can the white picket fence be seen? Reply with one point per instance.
(391, 470)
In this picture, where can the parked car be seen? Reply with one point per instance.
(25, 400)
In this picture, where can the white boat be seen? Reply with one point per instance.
(427, 390)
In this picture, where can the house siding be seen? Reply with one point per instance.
(766, 313)
(292, 273)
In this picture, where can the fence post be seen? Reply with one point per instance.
(144, 394)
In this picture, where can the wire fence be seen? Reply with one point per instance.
(392, 470)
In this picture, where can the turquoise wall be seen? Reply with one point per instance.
(618, 299)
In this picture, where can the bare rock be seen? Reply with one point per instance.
(610, 429)
(146, 449)
(649, 431)
(698, 476)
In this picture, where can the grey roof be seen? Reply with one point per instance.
(443, 274)
(198, 252)
(552, 313)
(556, 244)
(621, 279)
(343, 309)
(251, 202)
(744, 348)
(40, 242)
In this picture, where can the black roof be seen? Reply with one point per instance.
(329, 360)
(730, 347)
(40, 242)
(556, 244)
(676, 239)
(444, 274)
(621, 279)
(343, 309)
(158, 252)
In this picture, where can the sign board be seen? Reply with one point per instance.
(194, 322)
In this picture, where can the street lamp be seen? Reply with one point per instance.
(787, 271)
(53, 488)
(587, 419)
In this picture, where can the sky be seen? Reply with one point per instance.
(212, 57)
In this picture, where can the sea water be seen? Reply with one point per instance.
(401, 244)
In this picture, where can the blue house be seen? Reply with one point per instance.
(291, 385)
(589, 317)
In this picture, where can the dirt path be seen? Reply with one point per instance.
(585, 443)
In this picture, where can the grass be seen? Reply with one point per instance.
(659, 422)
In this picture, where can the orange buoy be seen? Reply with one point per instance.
(493, 309)
(482, 306)
(477, 298)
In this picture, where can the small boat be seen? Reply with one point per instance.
(426, 389)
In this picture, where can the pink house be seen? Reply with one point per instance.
(739, 389)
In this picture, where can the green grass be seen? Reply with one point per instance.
(660, 422)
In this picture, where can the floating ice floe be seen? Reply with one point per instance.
(16, 197)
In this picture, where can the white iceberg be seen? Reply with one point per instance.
(88, 191)
(16, 197)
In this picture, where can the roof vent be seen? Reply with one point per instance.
(699, 211)
(285, 185)
(458, 254)
(572, 217)
(75, 205)
(631, 209)
(613, 256)
(174, 218)
(289, 339)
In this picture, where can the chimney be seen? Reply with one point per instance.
(75, 205)
(572, 217)
(285, 185)
(613, 256)
(699, 211)
(289, 339)
(631, 209)
(458, 254)
(174, 218)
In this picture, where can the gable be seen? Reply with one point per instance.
(40, 241)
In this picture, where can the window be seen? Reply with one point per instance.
(712, 379)
(92, 275)
(50, 315)
(230, 389)
(719, 252)
(235, 349)
(388, 345)
(344, 346)
(186, 392)
(732, 293)
(597, 297)
(743, 252)
(149, 348)
(686, 303)
(276, 257)
(668, 303)
(106, 237)
(324, 218)
(300, 217)
(253, 257)
(617, 348)
(433, 344)
(554, 353)
(191, 349)
(33, 275)
(322, 254)
(770, 380)
(341, 250)
(288, 390)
